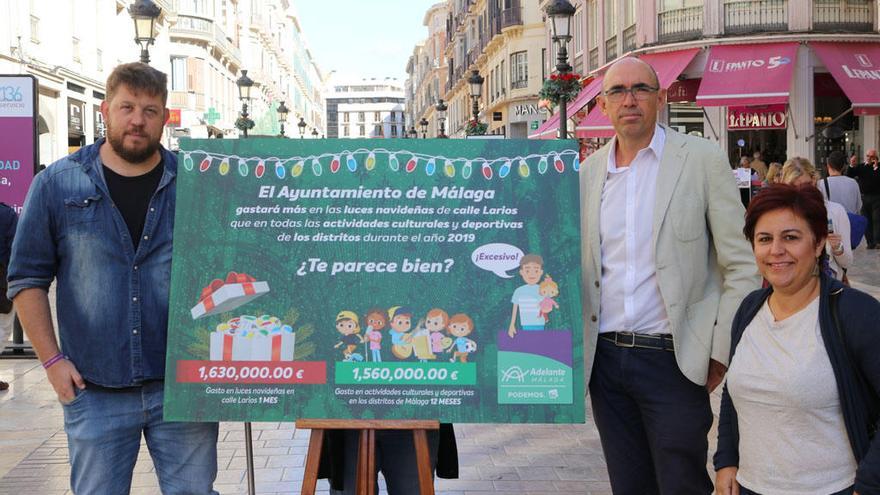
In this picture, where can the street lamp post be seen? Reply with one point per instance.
(560, 13)
(314, 134)
(244, 84)
(282, 116)
(441, 118)
(413, 133)
(144, 14)
(476, 83)
(302, 128)
(424, 125)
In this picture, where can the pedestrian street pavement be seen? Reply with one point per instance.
(495, 459)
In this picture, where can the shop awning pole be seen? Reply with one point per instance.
(835, 119)
(791, 119)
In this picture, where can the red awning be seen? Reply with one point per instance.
(758, 74)
(550, 128)
(856, 68)
(595, 125)
(669, 65)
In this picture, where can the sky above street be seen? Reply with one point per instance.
(363, 38)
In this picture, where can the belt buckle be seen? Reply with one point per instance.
(632, 342)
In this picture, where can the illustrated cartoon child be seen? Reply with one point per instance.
(436, 323)
(548, 290)
(460, 326)
(400, 323)
(347, 325)
(376, 321)
(527, 299)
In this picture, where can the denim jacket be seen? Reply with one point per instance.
(112, 301)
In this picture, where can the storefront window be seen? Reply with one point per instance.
(835, 129)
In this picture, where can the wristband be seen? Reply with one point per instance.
(54, 359)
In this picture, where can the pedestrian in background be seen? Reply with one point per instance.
(772, 173)
(100, 223)
(800, 172)
(665, 266)
(758, 165)
(799, 405)
(844, 190)
(8, 221)
(868, 176)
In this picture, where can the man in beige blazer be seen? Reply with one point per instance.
(665, 266)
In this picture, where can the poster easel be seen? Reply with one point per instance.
(365, 481)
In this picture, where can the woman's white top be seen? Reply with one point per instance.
(792, 438)
(840, 224)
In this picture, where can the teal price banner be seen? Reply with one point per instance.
(376, 279)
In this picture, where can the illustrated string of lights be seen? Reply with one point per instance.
(295, 166)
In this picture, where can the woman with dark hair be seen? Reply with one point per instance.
(800, 403)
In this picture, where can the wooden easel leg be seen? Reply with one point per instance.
(423, 462)
(313, 460)
(366, 467)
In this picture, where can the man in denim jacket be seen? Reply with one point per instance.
(100, 222)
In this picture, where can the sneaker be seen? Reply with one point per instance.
(3, 385)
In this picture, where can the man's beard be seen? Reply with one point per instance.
(117, 142)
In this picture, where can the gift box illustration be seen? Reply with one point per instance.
(251, 338)
(225, 295)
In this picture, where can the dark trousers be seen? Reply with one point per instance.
(871, 210)
(653, 422)
(746, 491)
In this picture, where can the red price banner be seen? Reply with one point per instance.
(299, 372)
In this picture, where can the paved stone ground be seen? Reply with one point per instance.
(495, 459)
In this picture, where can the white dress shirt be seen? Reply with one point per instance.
(631, 300)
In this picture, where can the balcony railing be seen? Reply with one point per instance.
(519, 84)
(751, 16)
(843, 15)
(680, 24)
(594, 58)
(629, 39)
(511, 17)
(611, 48)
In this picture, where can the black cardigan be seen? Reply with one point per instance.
(332, 463)
(859, 315)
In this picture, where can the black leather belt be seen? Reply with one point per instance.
(662, 342)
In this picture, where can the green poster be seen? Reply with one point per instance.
(376, 279)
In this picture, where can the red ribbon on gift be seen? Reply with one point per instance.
(231, 278)
(227, 347)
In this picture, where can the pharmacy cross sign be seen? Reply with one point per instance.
(211, 116)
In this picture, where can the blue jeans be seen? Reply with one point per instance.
(395, 457)
(104, 429)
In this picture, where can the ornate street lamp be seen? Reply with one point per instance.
(144, 14)
(282, 115)
(314, 133)
(560, 13)
(302, 128)
(441, 118)
(476, 83)
(424, 125)
(244, 84)
(413, 133)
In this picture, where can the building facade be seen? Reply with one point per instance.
(427, 72)
(822, 54)
(365, 108)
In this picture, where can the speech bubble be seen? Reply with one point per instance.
(497, 258)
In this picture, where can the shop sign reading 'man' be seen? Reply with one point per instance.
(763, 117)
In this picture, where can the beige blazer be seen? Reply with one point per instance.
(705, 266)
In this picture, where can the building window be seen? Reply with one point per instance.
(345, 131)
(362, 129)
(519, 70)
(361, 118)
(394, 131)
(377, 116)
(345, 117)
(377, 130)
(178, 74)
(577, 32)
(35, 29)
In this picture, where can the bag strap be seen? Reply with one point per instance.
(827, 189)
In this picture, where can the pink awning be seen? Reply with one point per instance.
(758, 74)
(669, 65)
(550, 128)
(595, 125)
(856, 68)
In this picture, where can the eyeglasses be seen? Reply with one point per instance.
(640, 92)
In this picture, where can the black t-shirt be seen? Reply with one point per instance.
(132, 196)
(869, 179)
